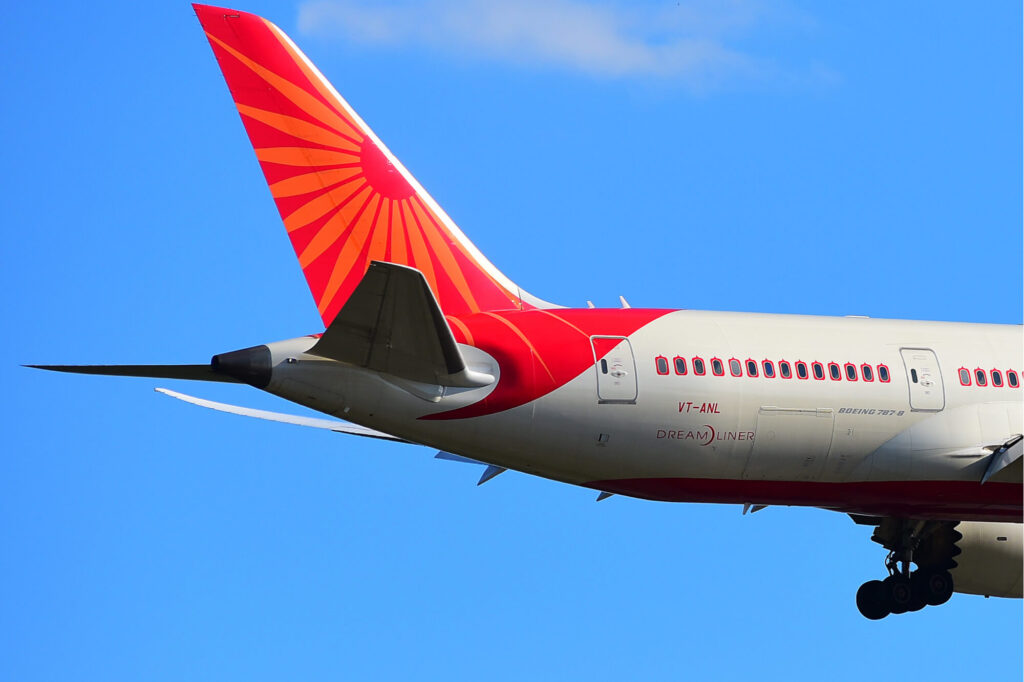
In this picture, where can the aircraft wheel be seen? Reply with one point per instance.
(872, 601)
(897, 589)
(939, 587)
(918, 591)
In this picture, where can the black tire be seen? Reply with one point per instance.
(939, 587)
(918, 591)
(872, 601)
(897, 589)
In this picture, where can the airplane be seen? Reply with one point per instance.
(913, 428)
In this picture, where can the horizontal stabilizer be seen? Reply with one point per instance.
(328, 424)
(392, 324)
(193, 372)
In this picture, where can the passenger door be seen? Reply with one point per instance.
(616, 369)
(924, 379)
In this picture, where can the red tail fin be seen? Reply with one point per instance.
(345, 199)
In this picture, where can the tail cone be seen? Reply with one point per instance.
(249, 365)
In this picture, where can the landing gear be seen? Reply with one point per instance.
(929, 544)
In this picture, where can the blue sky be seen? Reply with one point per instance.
(856, 158)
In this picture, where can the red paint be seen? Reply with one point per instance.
(954, 500)
(381, 174)
(539, 351)
(343, 202)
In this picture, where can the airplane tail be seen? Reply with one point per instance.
(345, 200)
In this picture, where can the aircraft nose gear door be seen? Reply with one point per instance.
(924, 379)
(616, 369)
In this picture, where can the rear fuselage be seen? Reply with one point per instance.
(869, 416)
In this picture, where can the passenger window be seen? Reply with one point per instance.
(734, 367)
(680, 364)
(833, 371)
(768, 368)
(801, 370)
(865, 371)
(851, 372)
(751, 368)
(965, 376)
(979, 377)
(1011, 379)
(604, 366)
(785, 371)
(819, 370)
(997, 378)
(883, 373)
(661, 364)
(698, 366)
(717, 368)
(913, 375)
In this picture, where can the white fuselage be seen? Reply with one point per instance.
(761, 439)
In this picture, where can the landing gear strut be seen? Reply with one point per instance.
(929, 544)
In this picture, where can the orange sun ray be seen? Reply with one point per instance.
(304, 156)
(332, 230)
(298, 96)
(310, 182)
(297, 128)
(378, 234)
(444, 255)
(397, 238)
(319, 82)
(321, 204)
(350, 250)
(420, 256)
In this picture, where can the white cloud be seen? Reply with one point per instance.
(688, 42)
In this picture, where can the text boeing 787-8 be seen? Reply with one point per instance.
(912, 427)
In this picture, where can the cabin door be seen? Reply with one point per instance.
(616, 369)
(924, 379)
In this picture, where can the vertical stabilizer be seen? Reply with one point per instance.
(345, 200)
